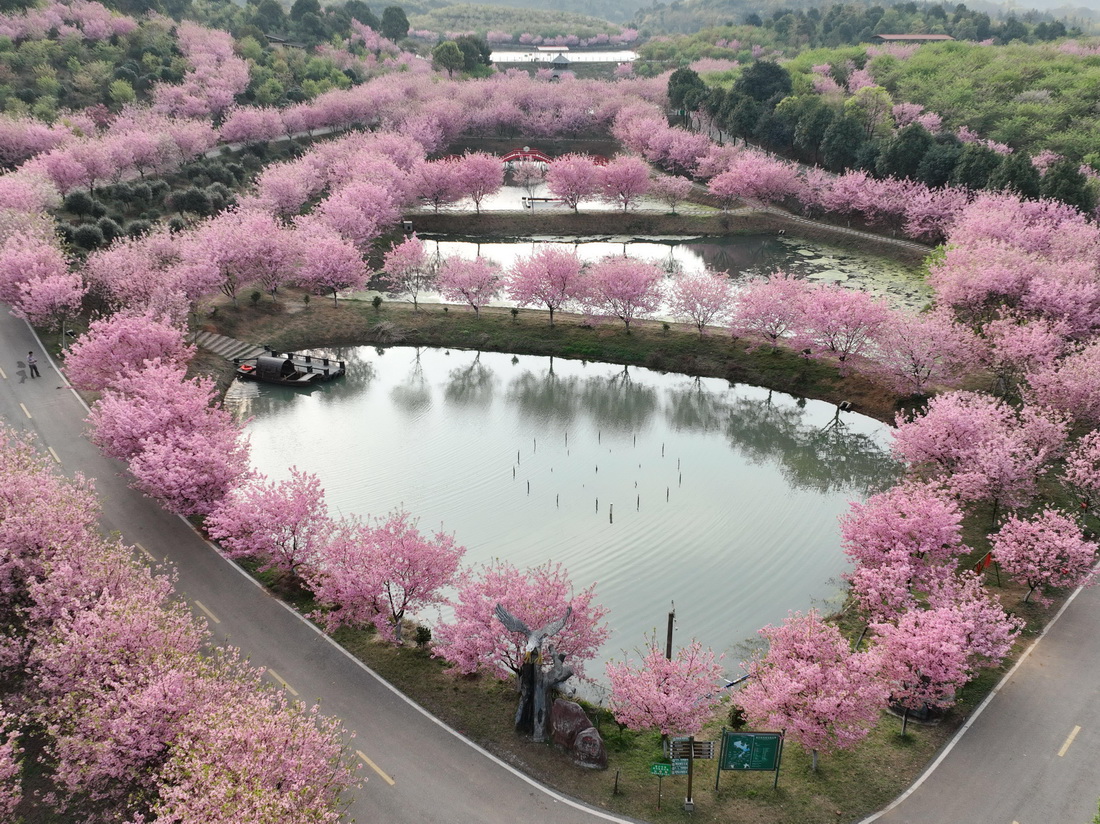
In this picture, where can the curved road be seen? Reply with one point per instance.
(415, 769)
(1029, 755)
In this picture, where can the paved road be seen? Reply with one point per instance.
(1032, 753)
(416, 770)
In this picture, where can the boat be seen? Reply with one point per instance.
(289, 368)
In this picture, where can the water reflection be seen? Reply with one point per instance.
(723, 498)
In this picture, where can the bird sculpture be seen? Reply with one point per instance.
(534, 637)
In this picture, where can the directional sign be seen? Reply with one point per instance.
(679, 766)
(687, 748)
(751, 751)
(660, 769)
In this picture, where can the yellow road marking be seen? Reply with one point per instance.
(3, 374)
(50, 448)
(1069, 741)
(279, 678)
(147, 553)
(376, 768)
(26, 411)
(207, 612)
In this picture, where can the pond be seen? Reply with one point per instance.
(661, 488)
(740, 256)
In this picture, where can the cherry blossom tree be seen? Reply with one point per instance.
(51, 302)
(529, 175)
(475, 640)
(841, 321)
(360, 211)
(190, 477)
(378, 572)
(771, 308)
(622, 287)
(917, 352)
(756, 176)
(475, 282)
(670, 189)
(1044, 551)
(624, 180)
(256, 758)
(980, 447)
(550, 277)
(810, 684)
(990, 632)
(27, 256)
(118, 345)
(702, 298)
(11, 769)
(1015, 346)
(925, 659)
(290, 534)
(157, 397)
(1071, 385)
(1082, 470)
(670, 695)
(481, 175)
(915, 520)
(573, 178)
(332, 264)
(440, 182)
(408, 269)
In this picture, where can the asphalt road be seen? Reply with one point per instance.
(414, 768)
(1031, 755)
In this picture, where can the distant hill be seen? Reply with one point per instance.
(542, 21)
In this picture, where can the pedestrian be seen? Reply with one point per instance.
(32, 363)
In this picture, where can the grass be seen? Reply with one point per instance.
(847, 786)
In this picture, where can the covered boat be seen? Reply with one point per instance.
(289, 368)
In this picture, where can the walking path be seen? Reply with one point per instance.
(229, 348)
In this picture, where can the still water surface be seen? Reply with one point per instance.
(740, 256)
(659, 487)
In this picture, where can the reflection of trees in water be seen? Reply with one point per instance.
(414, 394)
(824, 459)
(738, 255)
(359, 371)
(693, 407)
(547, 398)
(618, 402)
(837, 458)
(471, 385)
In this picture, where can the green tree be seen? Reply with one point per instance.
(1016, 174)
(361, 11)
(1064, 181)
(447, 55)
(937, 167)
(872, 107)
(269, 16)
(902, 155)
(764, 81)
(395, 25)
(842, 142)
(682, 85)
(304, 7)
(121, 92)
(475, 51)
(975, 166)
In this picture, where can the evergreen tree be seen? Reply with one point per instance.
(1064, 181)
(395, 25)
(841, 143)
(1017, 174)
(975, 166)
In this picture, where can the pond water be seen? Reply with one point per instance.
(661, 488)
(740, 256)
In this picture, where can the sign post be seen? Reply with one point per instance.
(750, 751)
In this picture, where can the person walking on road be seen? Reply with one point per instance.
(32, 365)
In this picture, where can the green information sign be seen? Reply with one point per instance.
(750, 750)
(660, 769)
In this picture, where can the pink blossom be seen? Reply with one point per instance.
(475, 282)
(622, 287)
(550, 277)
(477, 641)
(811, 685)
(1044, 551)
(673, 696)
(703, 298)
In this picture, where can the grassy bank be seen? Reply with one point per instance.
(292, 324)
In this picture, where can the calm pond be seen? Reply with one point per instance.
(740, 256)
(659, 487)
